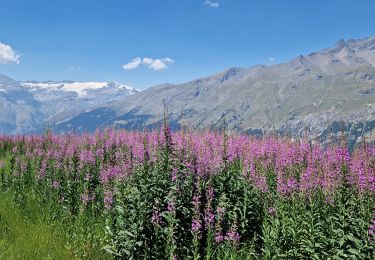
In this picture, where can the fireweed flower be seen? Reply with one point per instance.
(219, 237)
(156, 216)
(88, 177)
(196, 224)
(55, 184)
(29, 154)
(171, 206)
(220, 211)
(42, 171)
(108, 174)
(209, 216)
(371, 231)
(196, 201)
(292, 185)
(86, 157)
(85, 198)
(100, 153)
(209, 219)
(174, 174)
(272, 211)
(232, 235)
(329, 201)
(58, 165)
(108, 199)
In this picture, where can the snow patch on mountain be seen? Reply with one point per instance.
(80, 88)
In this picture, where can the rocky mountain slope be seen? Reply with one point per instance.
(318, 95)
(19, 111)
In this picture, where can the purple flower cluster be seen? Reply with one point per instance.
(371, 231)
(232, 235)
(108, 199)
(196, 224)
(209, 216)
(156, 216)
(118, 153)
(171, 206)
(220, 212)
(272, 211)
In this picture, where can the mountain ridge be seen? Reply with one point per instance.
(310, 93)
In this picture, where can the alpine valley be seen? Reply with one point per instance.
(319, 95)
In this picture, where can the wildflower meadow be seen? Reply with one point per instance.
(187, 195)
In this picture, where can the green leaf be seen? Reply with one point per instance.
(354, 252)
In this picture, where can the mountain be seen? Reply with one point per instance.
(60, 101)
(31, 106)
(20, 112)
(318, 95)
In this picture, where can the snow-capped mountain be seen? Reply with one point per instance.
(63, 100)
(31, 106)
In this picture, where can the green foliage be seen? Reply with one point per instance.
(313, 229)
(132, 233)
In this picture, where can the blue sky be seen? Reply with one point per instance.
(180, 39)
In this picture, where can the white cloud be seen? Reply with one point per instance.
(8, 55)
(155, 64)
(212, 4)
(133, 64)
(168, 60)
(148, 60)
(271, 59)
(158, 65)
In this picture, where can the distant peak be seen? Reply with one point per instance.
(367, 43)
(229, 73)
(233, 70)
(341, 44)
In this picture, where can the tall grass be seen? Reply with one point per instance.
(26, 235)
